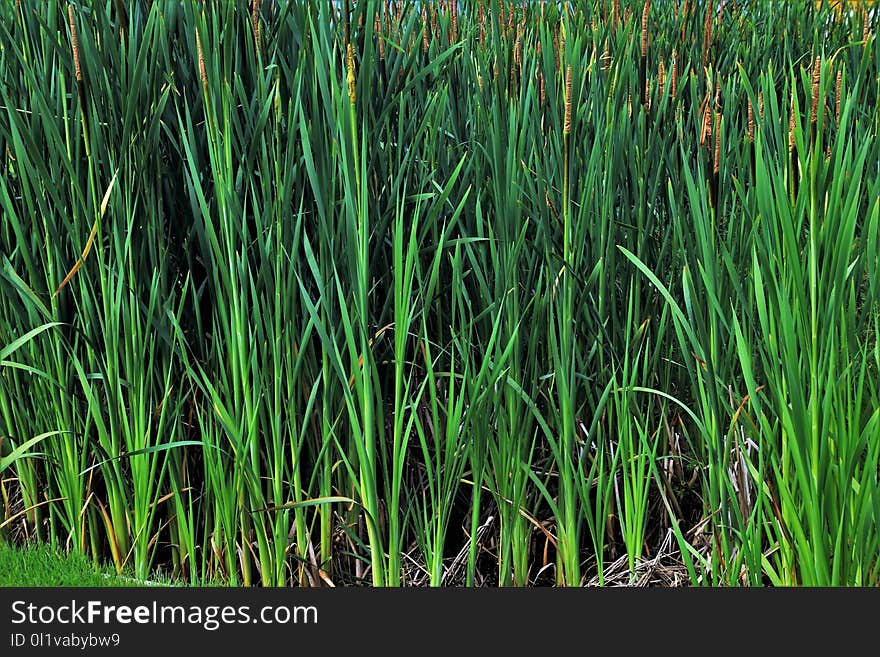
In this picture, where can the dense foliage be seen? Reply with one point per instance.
(436, 293)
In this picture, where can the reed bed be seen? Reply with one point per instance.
(443, 293)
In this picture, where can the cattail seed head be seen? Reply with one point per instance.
(674, 82)
(838, 90)
(791, 126)
(517, 51)
(556, 47)
(707, 31)
(255, 17)
(424, 29)
(761, 105)
(567, 127)
(817, 74)
(202, 71)
(645, 11)
(454, 6)
(377, 27)
(684, 13)
(751, 123)
(706, 126)
(74, 44)
(716, 161)
(351, 79)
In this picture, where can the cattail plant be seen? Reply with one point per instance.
(354, 344)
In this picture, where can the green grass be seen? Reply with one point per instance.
(43, 566)
(492, 297)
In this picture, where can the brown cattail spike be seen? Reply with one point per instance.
(517, 51)
(202, 72)
(351, 79)
(454, 12)
(817, 75)
(541, 85)
(645, 13)
(255, 16)
(706, 125)
(838, 89)
(567, 127)
(556, 46)
(684, 13)
(716, 161)
(424, 30)
(751, 123)
(674, 82)
(707, 31)
(74, 44)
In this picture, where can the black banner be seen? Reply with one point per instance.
(533, 621)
